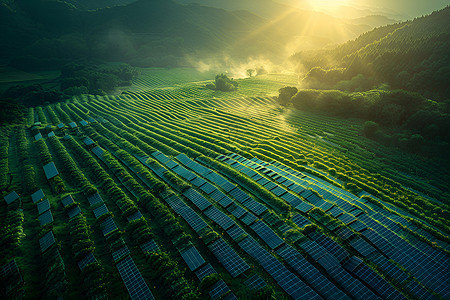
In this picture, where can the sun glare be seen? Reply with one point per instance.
(327, 5)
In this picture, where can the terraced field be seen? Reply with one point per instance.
(170, 190)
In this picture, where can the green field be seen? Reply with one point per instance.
(192, 178)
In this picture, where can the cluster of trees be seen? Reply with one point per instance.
(409, 118)
(223, 83)
(31, 95)
(412, 55)
(96, 79)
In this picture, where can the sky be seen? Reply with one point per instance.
(404, 8)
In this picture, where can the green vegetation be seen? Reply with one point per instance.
(223, 83)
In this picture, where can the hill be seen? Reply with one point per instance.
(412, 55)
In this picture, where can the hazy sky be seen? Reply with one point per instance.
(406, 8)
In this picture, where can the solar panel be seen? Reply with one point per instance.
(46, 241)
(92, 120)
(220, 181)
(204, 272)
(200, 169)
(101, 210)
(263, 181)
(88, 259)
(133, 280)
(72, 124)
(362, 247)
(255, 282)
(198, 181)
(248, 218)
(300, 221)
(236, 233)
(192, 258)
(38, 195)
(170, 164)
(50, 170)
(160, 157)
(225, 202)
(83, 123)
(232, 262)
(237, 211)
(270, 185)
(197, 199)
(43, 206)
(73, 212)
(149, 246)
(88, 141)
(51, 134)
(189, 215)
(219, 217)
(135, 216)
(208, 188)
(347, 218)
(358, 226)
(11, 197)
(67, 137)
(94, 199)
(46, 218)
(60, 125)
(267, 234)
(38, 136)
(344, 233)
(218, 290)
(291, 199)
(254, 206)
(108, 226)
(304, 207)
(67, 200)
(120, 253)
(98, 151)
(336, 212)
(185, 173)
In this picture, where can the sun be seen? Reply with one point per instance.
(327, 5)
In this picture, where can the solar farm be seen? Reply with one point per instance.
(170, 190)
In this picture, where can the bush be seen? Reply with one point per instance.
(223, 83)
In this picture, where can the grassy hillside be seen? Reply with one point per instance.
(412, 55)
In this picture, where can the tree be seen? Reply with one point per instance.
(250, 72)
(370, 128)
(286, 94)
(223, 83)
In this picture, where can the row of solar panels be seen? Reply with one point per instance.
(295, 287)
(349, 217)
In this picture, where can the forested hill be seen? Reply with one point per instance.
(413, 55)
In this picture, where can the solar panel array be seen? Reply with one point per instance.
(38, 136)
(232, 262)
(94, 199)
(72, 124)
(46, 241)
(73, 212)
(83, 123)
(255, 282)
(11, 197)
(219, 217)
(133, 280)
(267, 234)
(287, 281)
(120, 253)
(88, 259)
(50, 170)
(108, 226)
(205, 271)
(88, 141)
(100, 211)
(149, 246)
(218, 290)
(37, 196)
(135, 216)
(201, 202)
(46, 218)
(43, 206)
(51, 134)
(189, 215)
(67, 201)
(193, 258)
